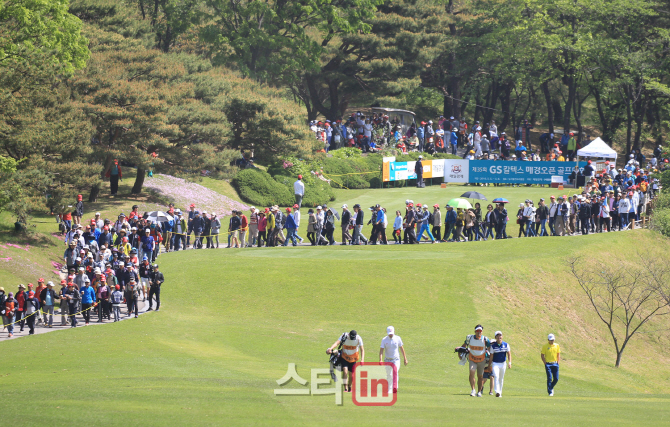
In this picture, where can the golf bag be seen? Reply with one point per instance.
(462, 355)
(333, 360)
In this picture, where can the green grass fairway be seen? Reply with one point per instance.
(233, 320)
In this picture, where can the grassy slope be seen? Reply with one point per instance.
(232, 321)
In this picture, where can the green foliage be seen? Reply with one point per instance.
(46, 26)
(257, 187)
(274, 40)
(665, 180)
(317, 191)
(345, 152)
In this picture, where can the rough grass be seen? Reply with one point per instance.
(233, 319)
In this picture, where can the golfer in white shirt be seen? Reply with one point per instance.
(390, 345)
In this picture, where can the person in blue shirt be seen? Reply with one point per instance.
(420, 131)
(449, 223)
(500, 353)
(87, 299)
(290, 228)
(425, 225)
(454, 140)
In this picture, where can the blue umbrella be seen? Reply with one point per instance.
(500, 200)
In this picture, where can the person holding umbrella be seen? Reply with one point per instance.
(501, 221)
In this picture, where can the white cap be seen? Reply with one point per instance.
(344, 206)
(147, 231)
(451, 118)
(479, 328)
(97, 271)
(421, 157)
(390, 330)
(551, 337)
(97, 213)
(497, 333)
(319, 208)
(81, 268)
(87, 280)
(120, 264)
(251, 208)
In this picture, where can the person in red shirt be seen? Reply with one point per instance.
(134, 214)
(38, 291)
(8, 313)
(21, 297)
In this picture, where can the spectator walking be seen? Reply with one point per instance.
(299, 191)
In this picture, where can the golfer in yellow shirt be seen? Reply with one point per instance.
(551, 356)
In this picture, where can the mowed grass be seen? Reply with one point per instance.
(232, 320)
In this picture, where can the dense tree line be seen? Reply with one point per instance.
(74, 102)
(183, 85)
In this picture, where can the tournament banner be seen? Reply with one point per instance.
(398, 171)
(520, 172)
(457, 171)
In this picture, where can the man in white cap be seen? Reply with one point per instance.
(500, 353)
(477, 344)
(551, 357)
(389, 351)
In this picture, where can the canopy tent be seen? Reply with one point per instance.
(597, 148)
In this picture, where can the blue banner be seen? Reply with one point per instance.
(519, 172)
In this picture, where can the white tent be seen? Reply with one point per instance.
(597, 148)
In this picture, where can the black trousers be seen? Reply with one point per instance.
(411, 235)
(585, 225)
(114, 184)
(86, 312)
(103, 310)
(157, 292)
(31, 323)
(261, 238)
(437, 232)
(21, 317)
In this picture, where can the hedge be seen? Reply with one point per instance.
(317, 192)
(257, 187)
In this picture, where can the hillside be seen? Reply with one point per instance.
(232, 320)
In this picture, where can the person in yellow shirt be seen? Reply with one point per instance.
(551, 357)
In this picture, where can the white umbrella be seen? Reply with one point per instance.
(158, 216)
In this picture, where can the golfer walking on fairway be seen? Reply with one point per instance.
(351, 342)
(477, 344)
(390, 345)
(500, 352)
(551, 357)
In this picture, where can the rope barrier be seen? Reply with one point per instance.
(42, 313)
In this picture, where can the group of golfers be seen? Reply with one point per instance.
(487, 360)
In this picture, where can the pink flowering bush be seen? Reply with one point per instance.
(183, 193)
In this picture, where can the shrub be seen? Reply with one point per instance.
(257, 187)
(665, 179)
(338, 171)
(317, 192)
(661, 221)
(346, 152)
